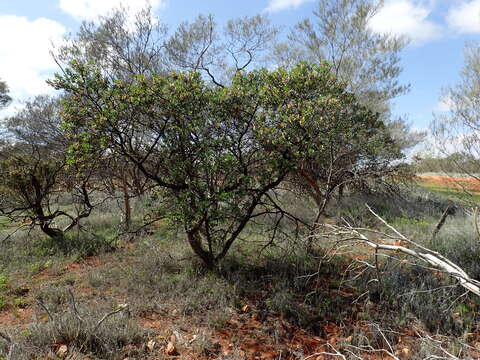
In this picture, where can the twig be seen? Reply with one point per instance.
(456, 299)
(39, 302)
(12, 345)
(5, 337)
(475, 221)
(383, 336)
(74, 306)
(106, 316)
(377, 267)
(427, 291)
(6, 238)
(442, 220)
(336, 353)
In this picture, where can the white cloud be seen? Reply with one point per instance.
(407, 17)
(25, 61)
(445, 104)
(465, 16)
(91, 9)
(11, 110)
(279, 5)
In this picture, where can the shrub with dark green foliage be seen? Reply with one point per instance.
(215, 154)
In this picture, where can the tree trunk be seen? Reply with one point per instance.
(126, 204)
(52, 232)
(341, 189)
(195, 242)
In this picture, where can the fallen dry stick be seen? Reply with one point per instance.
(432, 258)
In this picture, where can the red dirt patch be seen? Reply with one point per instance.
(76, 269)
(155, 322)
(16, 316)
(459, 183)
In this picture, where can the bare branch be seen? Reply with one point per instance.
(74, 306)
(432, 258)
(120, 308)
(42, 305)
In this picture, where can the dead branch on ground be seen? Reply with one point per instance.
(412, 249)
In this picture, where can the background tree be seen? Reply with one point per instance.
(368, 62)
(124, 50)
(121, 48)
(200, 46)
(456, 133)
(453, 162)
(4, 97)
(35, 176)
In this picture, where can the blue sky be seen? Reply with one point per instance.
(439, 30)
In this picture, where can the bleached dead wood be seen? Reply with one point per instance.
(414, 250)
(437, 345)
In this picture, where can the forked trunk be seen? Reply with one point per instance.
(194, 239)
(54, 233)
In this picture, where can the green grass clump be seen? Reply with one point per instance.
(3, 281)
(452, 193)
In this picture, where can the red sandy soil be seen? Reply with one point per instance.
(461, 183)
(17, 316)
(24, 315)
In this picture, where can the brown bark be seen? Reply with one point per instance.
(126, 204)
(52, 232)
(442, 220)
(194, 239)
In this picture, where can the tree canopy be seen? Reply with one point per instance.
(4, 97)
(456, 131)
(34, 172)
(338, 32)
(194, 118)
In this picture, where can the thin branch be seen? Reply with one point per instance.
(42, 305)
(106, 316)
(74, 306)
(6, 238)
(5, 337)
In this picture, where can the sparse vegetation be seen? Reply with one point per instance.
(267, 293)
